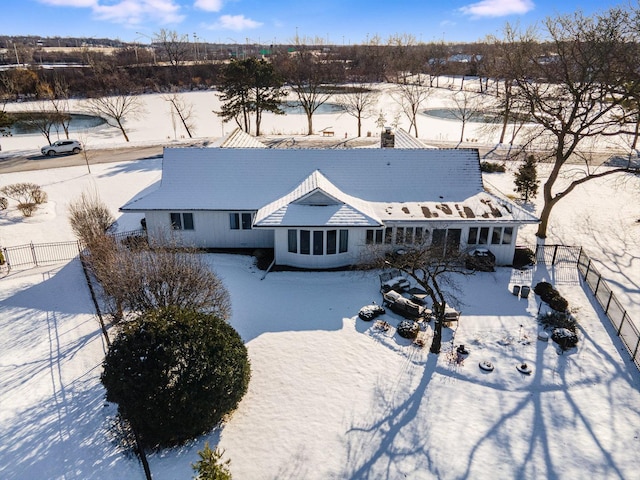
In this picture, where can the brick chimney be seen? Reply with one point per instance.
(387, 138)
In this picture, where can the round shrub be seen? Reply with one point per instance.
(408, 329)
(175, 374)
(492, 167)
(565, 338)
(543, 289)
(551, 296)
(523, 257)
(369, 312)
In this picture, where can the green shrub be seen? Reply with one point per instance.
(523, 257)
(558, 320)
(551, 296)
(210, 466)
(175, 374)
(492, 167)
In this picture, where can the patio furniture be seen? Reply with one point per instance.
(404, 306)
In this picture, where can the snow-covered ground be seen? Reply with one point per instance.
(331, 396)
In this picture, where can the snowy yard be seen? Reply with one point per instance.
(332, 396)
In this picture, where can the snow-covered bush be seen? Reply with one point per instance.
(408, 329)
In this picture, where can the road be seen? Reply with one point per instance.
(17, 163)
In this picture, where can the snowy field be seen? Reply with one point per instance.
(331, 396)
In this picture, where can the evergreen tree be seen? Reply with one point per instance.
(248, 87)
(210, 466)
(527, 179)
(175, 374)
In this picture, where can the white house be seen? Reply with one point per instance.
(323, 208)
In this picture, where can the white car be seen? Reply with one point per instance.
(62, 146)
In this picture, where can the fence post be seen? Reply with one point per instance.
(635, 351)
(606, 310)
(624, 314)
(586, 273)
(33, 254)
(595, 290)
(555, 253)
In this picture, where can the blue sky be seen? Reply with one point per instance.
(268, 21)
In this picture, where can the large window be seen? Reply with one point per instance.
(305, 242)
(507, 236)
(181, 221)
(239, 221)
(293, 241)
(374, 236)
(344, 241)
(331, 242)
(499, 235)
(318, 242)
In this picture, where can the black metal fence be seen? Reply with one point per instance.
(36, 254)
(625, 327)
(570, 255)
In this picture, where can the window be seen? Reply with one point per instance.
(318, 242)
(344, 241)
(305, 242)
(507, 236)
(246, 221)
(399, 235)
(293, 241)
(181, 221)
(473, 236)
(331, 242)
(419, 237)
(235, 221)
(374, 236)
(408, 235)
(484, 236)
(495, 236)
(388, 235)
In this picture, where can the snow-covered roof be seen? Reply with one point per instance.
(377, 185)
(238, 139)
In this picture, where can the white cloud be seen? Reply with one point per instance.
(208, 5)
(234, 22)
(497, 8)
(136, 12)
(128, 12)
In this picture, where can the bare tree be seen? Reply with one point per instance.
(183, 110)
(466, 105)
(174, 45)
(308, 76)
(359, 101)
(411, 98)
(579, 89)
(433, 267)
(89, 217)
(116, 108)
(39, 117)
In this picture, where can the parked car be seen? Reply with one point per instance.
(62, 146)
